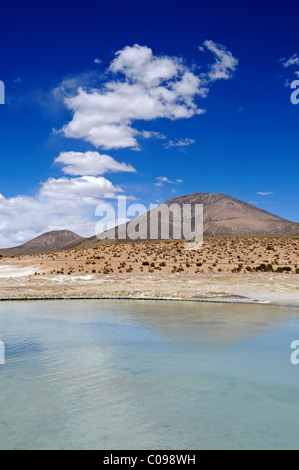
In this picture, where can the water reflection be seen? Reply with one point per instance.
(123, 374)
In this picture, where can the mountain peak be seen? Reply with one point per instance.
(47, 242)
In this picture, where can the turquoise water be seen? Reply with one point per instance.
(148, 375)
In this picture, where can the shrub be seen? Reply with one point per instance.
(264, 267)
(281, 269)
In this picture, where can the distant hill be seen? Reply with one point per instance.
(223, 216)
(48, 242)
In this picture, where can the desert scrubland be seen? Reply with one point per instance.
(226, 268)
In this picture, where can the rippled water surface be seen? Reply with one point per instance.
(148, 375)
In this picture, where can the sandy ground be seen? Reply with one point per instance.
(225, 269)
(257, 287)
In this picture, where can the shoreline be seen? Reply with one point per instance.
(156, 299)
(152, 299)
(254, 288)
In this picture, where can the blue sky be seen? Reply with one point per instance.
(229, 59)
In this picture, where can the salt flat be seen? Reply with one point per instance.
(253, 287)
(9, 271)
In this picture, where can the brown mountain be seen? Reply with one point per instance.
(223, 216)
(227, 216)
(48, 242)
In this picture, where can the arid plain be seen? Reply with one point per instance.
(264, 269)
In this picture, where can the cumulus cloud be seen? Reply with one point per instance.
(61, 203)
(90, 163)
(83, 190)
(179, 143)
(23, 218)
(141, 87)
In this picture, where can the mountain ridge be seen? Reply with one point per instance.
(223, 216)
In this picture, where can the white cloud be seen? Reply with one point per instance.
(139, 65)
(83, 190)
(36, 216)
(61, 203)
(264, 193)
(140, 86)
(90, 163)
(163, 179)
(225, 63)
(97, 61)
(152, 134)
(179, 143)
(294, 60)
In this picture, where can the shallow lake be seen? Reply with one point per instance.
(148, 375)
